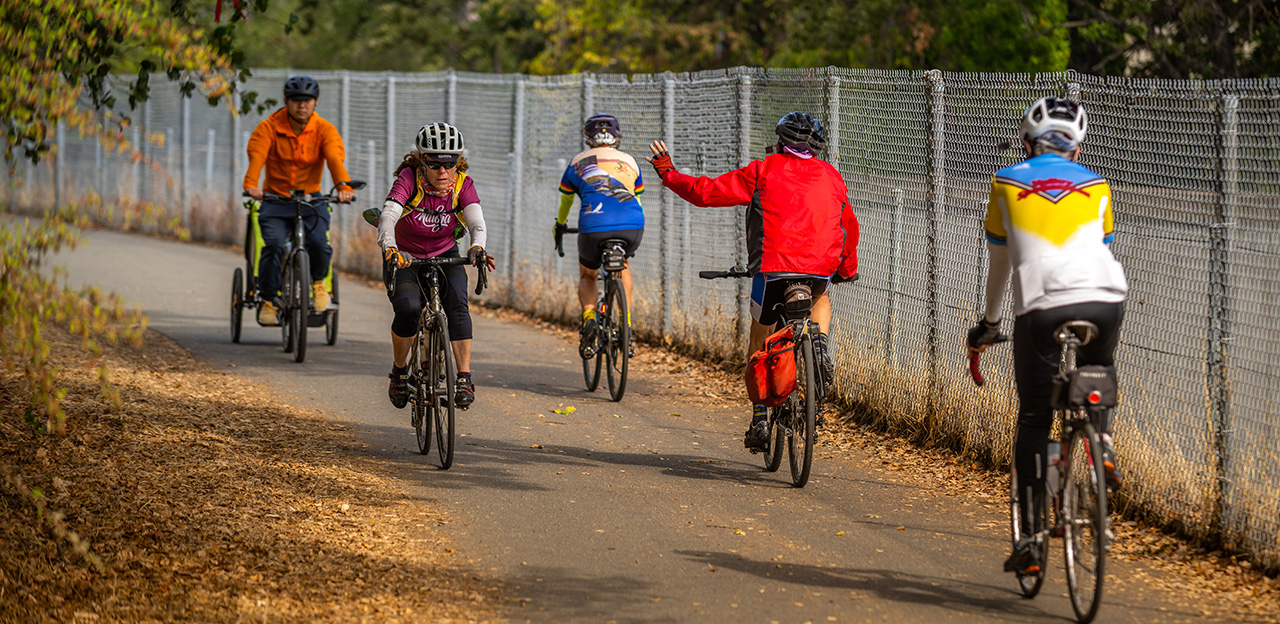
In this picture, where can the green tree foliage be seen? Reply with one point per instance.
(61, 54)
(1176, 38)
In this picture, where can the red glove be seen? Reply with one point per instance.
(662, 164)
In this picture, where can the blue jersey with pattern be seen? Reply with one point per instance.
(609, 183)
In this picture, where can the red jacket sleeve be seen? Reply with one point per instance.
(849, 254)
(731, 189)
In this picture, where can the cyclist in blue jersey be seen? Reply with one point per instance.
(1049, 223)
(609, 184)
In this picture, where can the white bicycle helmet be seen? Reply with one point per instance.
(439, 138)
(1058, 122)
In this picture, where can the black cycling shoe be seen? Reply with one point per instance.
(399, 389)
(1109, 466)
(1025, 558)
(587, 339)
(757, 437)
(464, 392)
(824, 361)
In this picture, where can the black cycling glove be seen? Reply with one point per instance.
(983, 335)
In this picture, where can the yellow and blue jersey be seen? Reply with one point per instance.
(1055, 215)
(609, 183)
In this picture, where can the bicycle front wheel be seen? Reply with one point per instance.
(804, 406)
(1084, 509)
(777, 439)
(444, 375)
(286, 299)
(617, 339)
(421, 392)
(1029, 584)
(301, 304)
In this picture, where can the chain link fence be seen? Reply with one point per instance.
(1194, 166)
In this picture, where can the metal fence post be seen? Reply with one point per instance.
(170, 158)
(391, 126)
(236, 175)
(59, 142)
(451, 98)
(100, 167)
(937, 207)
(1220, 302)
(144, 183)
(344, 106)
(185, 180)
(517, 181)
(744, 157)
(211, 143)
(895, 278)
(833, 121)
(665, 255)
(588, 96)
(134, 169)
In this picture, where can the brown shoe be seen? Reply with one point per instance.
(319, 296)
(268, 314)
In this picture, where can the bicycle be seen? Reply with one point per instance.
(1075, 490)
(297, 312)
(795, 420)
(613, 332)
(432, 368)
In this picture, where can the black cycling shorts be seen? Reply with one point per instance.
(767, 296)
(589, 251)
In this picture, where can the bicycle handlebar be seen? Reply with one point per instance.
(734, 271)
(974, 371)
(560, 239)
(331, 196)
(482, 281)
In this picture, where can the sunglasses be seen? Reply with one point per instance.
(436, 166)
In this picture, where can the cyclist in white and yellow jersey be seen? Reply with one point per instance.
(1049, 223)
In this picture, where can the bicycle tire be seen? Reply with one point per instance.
(301, 307)
(237, 303)
(286, 297)
(1028, 584)
(778, 440)
(442, 354)
(331, 316)
(421, 418)
(1084, 509)
(617, 340)
(805, 406)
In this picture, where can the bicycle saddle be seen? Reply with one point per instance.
(1084, 331)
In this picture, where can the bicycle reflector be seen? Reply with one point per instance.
(1095, 397)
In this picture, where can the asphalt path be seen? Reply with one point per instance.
(647, 510)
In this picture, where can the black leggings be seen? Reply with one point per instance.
(1036, 355)
(407, 299)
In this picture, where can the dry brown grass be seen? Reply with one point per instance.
(207, 499)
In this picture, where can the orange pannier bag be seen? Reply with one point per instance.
(771, 371)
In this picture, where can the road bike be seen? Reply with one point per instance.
(794, 422)
(297, 311)
(611, 349)
(1075, 503)
(432, 369)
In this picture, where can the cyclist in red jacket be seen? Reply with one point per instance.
(799, 224)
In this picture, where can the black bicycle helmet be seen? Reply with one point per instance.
(301, 87)
(602, 129)
(801, 131)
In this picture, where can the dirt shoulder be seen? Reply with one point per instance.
(207, 499)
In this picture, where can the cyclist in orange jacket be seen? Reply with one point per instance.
(292, 145)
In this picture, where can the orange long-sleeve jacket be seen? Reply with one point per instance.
(293, 161)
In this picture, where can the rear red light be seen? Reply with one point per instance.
(1095, 397)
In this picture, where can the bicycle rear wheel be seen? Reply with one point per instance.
(617, 339)
(420, 393)
(237, 303)
(286, 319)
(804, 403)
(444, 374)
(1029, 584)
(301, 304)
(592, 366)
(777, 439)
(1084, 510)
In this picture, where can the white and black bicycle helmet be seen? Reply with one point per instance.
(1057, 123)
(801, 131)
(440, 139)
(602, 129)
